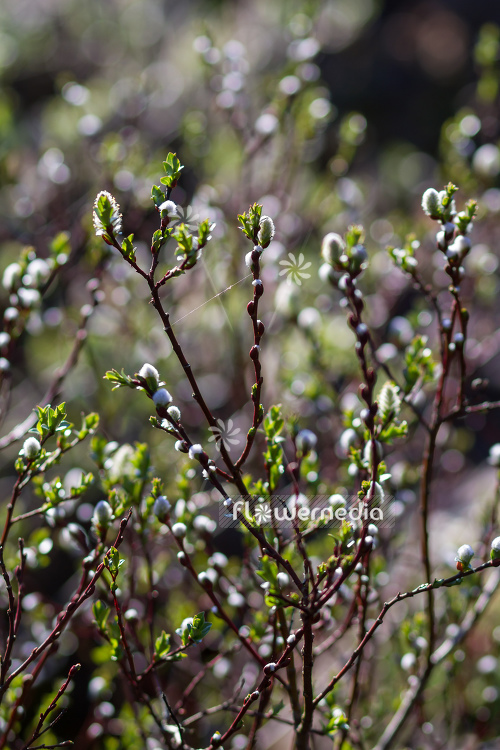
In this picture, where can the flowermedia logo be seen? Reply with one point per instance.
(225, 433)
(319, 511)
(295, 269)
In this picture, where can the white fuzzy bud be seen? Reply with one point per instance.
(494, 457)
(150, 375)
(388, 401)
(28, 298)
(463, 245)
(408, 661)
(31, 448)
(168, 210)
(431, 203)
(174, 412)
(10, 314)
(38, 271)
(161, 507)
(179, 530)
(11, 276)
(495, 548)
(332, 248)
(266, 231)
(195, 450)
(368, 452)
(103, 514)
(115, 220)
(283, 580)
(204, 524)
(218, 559)
(305, 441)
(347, 439)
(161, 397)
(465, 554)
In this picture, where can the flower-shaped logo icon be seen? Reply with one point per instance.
(295, 269)
(262, 513)
(186, 215)
(224, 434)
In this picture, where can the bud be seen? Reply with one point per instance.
(28, 298)
(31, 448)
(204, 579)
(11, 277)
(494, 457)
(38, 271)
(408, 661)
(204, 524)
(357, 257)
(218, 559)
(305, 441)
(337, 501)
(347, 439)
(266, 231)
(103, 515)
(270, 668)
(168, 210)
(283, 580)
(462, 244)
(106, 217)
(368, 452)
(161, 397)
(431, 203)
(161, 508)
(150, 375)
(174, 412)
(195, 450)
(388, 401)
(179, 530)
(332, 248)
(10, 314)
(495, 548)
(464, 556)
(448, 229)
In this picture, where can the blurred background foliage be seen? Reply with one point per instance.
(327, 113)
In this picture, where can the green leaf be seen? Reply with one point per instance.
(389, 403)
(112, 561)
(90, 424)
(60, 247)
(195, 631)
(101, 613)
(250, 222)
(119, 379)
(128, 248)
(172, 167)
(204, 230)
(157, 196)
(162, 645)
(159, 239)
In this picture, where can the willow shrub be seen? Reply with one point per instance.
(239, 598)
